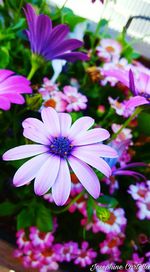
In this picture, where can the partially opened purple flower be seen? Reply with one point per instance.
(139, 86)
(60, 144)
(11, 89)
(50, 43)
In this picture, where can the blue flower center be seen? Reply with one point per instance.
(61, 146)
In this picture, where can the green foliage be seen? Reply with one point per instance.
(7, 208)
(35, 214)
(111, 202)
(4, 57)
(90, 208)
(26, 218)
(44, 219)
(70, 18)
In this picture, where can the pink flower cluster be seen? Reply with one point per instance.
(69, 99)
(140, 192)
(38, 250)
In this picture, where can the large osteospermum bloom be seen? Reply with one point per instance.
(48, 42)
(59, 143)
(11, 89)
(139, 86)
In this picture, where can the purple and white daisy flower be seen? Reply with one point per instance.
(60, 144)
(48, 42)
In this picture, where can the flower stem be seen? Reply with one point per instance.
(70, 204)
(32, 72)
(114, 136)
(64, 4)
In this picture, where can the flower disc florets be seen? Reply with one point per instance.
(61, 146)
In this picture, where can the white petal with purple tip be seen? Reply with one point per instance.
(65, 123)
(51, 121)
(62, 186)
(47, 175)
(100, 150)
(86, 176)
(24, 151)
(93, 160)
(35, 130)
(92, 136)
(80, 126)
(29, 170)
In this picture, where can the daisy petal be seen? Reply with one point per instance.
(51, 121)
(4, 74)
(24, 151)
(100, 150)
(80, 126)
(47, 175)
(29, 170)
(62, 186)
(65, 123)
(4, 103)
(93, 160)
(136, 101)
(86, 176)
(35, 130)
(92, 136)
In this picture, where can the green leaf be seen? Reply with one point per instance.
(102, 23)
(19, 24)
(4, 57)
(25, 218)
(90, 208)
(76, 115)
(7, 208)
(70, 18)
(108, 200)
(44, 219)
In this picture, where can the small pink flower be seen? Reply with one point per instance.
(22, 241)
(120, 107)
(67, 251)
(85, 255)
(136, 260)
(48, 88)
(111, 244)
(75, 100)
(144, 207)
(108, 49)
(48, 255)
(124, 135)
(56, 101)
(115, 224)
(30, 260)
(40, 239)
(138, 191)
